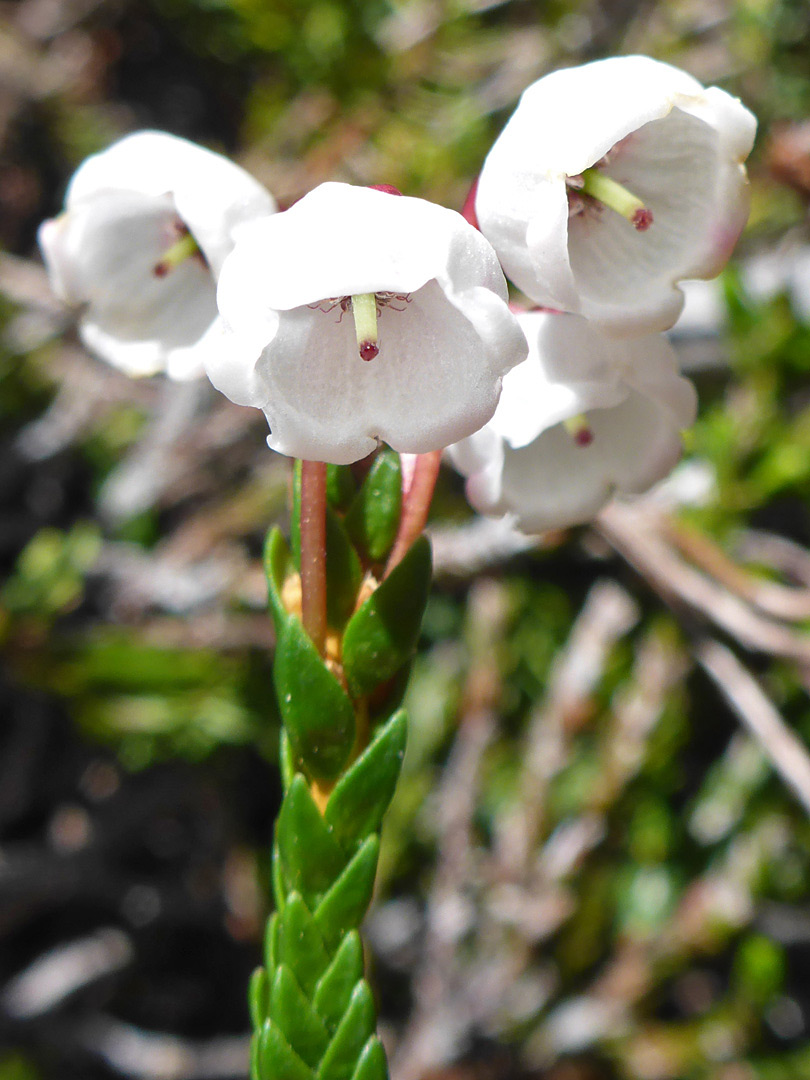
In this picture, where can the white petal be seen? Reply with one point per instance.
(446, 335)
(551, 482)
(101, 256)
(432, 383)
(736, 125)
(678, 146)
(526, 218)
(554, 483)
(571, 368)
(341, 240)
(662, 384)
(212, 195)
(232, 365)
(569, 119)
(628, 276)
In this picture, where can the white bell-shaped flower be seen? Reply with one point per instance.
(146, 226)
(611, 183)
(584, 417)
(361, 316)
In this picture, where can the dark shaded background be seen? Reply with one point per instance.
(596, 866)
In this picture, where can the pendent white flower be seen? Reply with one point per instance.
(359, 315)
(584, 417)
(146, 226)
(611, 183)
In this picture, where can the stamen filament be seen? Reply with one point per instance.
(617, 197)
(579, 429)
(184, 248)
(364, 310)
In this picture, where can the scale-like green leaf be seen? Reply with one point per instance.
(271, 942)
(382, 634)
(372, 1064)
(277, 568)
(341, 486)
(373, 518)
(343, 572)
(300, 944)
(345, 904)
(258, 999)
(278, 881)
(317, 714)
(361, 796)
(286, 760)
(255, 1057)
(356, 1027)
(277, 1059)
(299, 1023)
(311, 857)
(334, 989)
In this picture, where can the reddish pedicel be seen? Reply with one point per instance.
(468, 209)
(389, 189)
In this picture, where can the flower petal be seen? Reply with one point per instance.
(527, 465)
(101, 256)
(571, 368)
(627, 277)
(431, 384)
(212, 195)
(446, 335)
(553, 483)
(341, 240)
(584, 111)
(656, 131)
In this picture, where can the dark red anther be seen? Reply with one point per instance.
(583, 437)
(642, 219)
(160, 269)
(368, 350)
(389, 189)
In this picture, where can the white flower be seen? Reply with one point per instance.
(146, 226)
(566, 236)
(359, 316)
(583, 417)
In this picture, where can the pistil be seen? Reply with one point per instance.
(579, 429)
(184, 248)
(364, 310)
(614, 195)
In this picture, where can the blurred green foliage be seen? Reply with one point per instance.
(700, 844)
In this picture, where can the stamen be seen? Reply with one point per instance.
(601, 187)
(184, 248)
(364, 309)
(579, 429)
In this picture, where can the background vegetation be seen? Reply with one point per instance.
(598, 865)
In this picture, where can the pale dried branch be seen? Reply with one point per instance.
(629, 530)
(786, 752)
(151, 1055)
(780, 601)
(439, 1023)
(464, 550)
(63, 970)
(607, 615)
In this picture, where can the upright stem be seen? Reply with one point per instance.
(313, 551)
(415, 506)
